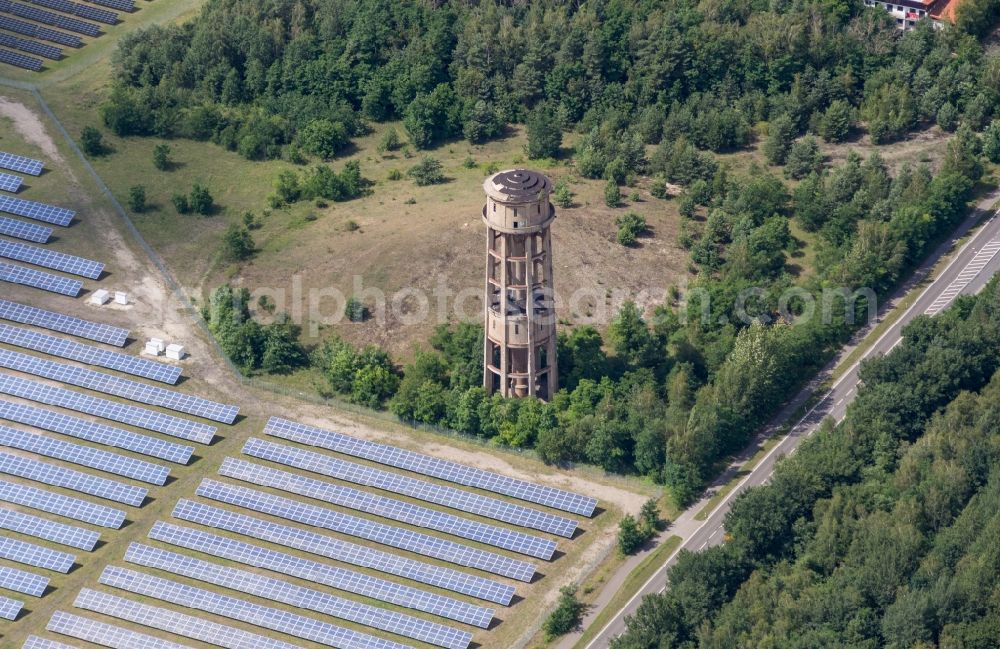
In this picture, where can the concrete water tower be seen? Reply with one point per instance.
(520, 341)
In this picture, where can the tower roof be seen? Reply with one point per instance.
(517, 186)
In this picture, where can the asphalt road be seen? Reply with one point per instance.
(966, 272)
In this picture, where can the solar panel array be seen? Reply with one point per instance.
(187, 626)
(298, 596)
(396, 537)
(26, 231)
(20, 60)
(88, 354)
(94, 432)
(58, 476)
(19, 163)
(38, 279)
(20, 581)
(237, 609)
(78, 327)
(133, 415)
(49, 18)
(9, 608)
(66, 506)
(432, 466)
(45, 34)
(104, 634)
(389, 508)
(36, 642)
(51, 259)
(127, 389)
(37, 211)
(10, 182)
(120, 5)
(31, 47)
(43, 528)
(35, 555)
(81, 10)
(94, 458)
(361, 474)
(319, 573)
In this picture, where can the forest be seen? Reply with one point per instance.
(655, 90)
(879, 532)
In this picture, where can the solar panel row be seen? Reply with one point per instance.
(38, 279)
(316, 572)
(389, 508)
(127, 389)
(279, 620)
(53, 321)
(120, 5)
(51, 259)
(9, 608)
(104, 634)
(396, 537)
(36, 642)
(26, 231)
(20, 581)
(88, 354)
(300, 597)
(432, 466)
(57, 476)
(33, 210)
(194, 431)
(10, 182)
(57, 422)
(81, 10)
(43, 528)
(20, 60)
(32, 47)
(35, 31)
(19, 163)
(66, 506)
(88, 456)
(35, 555)
(188, 626)
(465, 501)
(57, 20)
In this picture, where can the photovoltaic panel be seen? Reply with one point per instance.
(53, 321)
(465, 501)
(35, 555)
(51, 259)
(36, 31)
(25, 231)
(57, 20)
(390, 508)
(38, 279)
(320, 573)
(432, 466)
(194, 431)
(36, 642)
(81, 10)
(104, 634)
(345, 552)
(20, 164)
(298, 596)
(9, 608)
(396, 537)
(89, 354)
(180, 624)
(237, 609)
(57, 422)
(43, 528)
(20, 60)
(38, 211)
(58, 476)
(9, 182)
(32, 47)
(88, 456)
(20, 581)
(120, 5)
(127, 389)
(67, 506)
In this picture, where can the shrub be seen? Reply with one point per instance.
(658, 187)
(250, 221)
(161, 157)
(630, 226)
(567, 614)
(92, 142)
(630, 536)
(323, 138)
(137, 198)
(427, 172)
(394, 174)
(237, 243)
(355, 310)
(390, 141)
(181, 204)
(612, 195)
(469, 162)
(201, 201)
(561, 195)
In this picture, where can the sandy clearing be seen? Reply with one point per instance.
(31, 128)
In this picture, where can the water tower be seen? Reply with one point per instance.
(520, 342)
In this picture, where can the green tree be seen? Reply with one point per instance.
(780, 135)
(482, 124)
(390, 140)
(804, 158)
(544, 133)
(631, 338)
(137, 199)
(238, 243)
(837, 121)
(562, 195)
(92, 142)
(630, 535)
(161, 157)
(567, 614)
(355, 310)
(180, 202)
(630, 226)
(427, 172)
(200, 200)
(947, 116)
(991, 141)
(432, 117)
(612, 195)
(323, 138)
